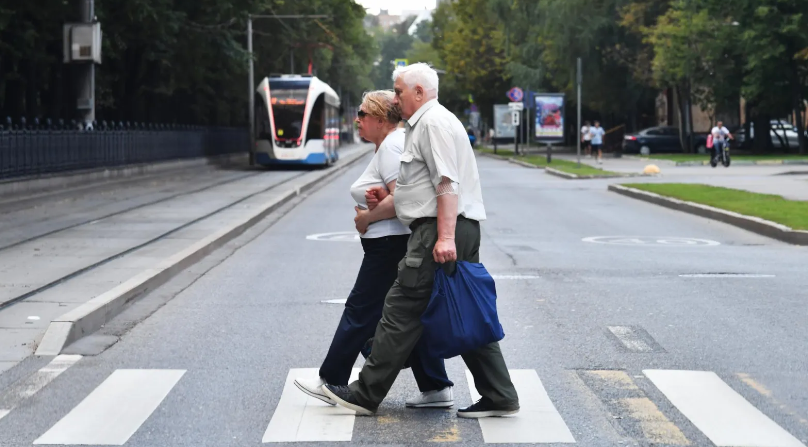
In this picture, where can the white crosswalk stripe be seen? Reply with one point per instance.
(718, 411)
(31, 385)
(538, 421)
(114, 411)
(301, 418)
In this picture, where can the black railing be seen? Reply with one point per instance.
(45, 147)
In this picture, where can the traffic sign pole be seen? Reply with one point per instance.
(578, 81)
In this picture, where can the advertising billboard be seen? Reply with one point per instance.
(503, 127)
(549, 117)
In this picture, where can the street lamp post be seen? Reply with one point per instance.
(251, 76)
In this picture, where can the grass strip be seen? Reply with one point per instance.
(791, 213)
(570, 167)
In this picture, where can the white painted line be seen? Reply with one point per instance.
(114, 411)
(28, 386)
(538, 421)
(718, 411)
(630, 339)
(515, 277)
(725, 275)
(301, 418)
(338, 301)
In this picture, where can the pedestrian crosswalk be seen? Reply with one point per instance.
(115, 411)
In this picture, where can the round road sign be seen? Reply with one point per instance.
(516, 94)
(663, 241)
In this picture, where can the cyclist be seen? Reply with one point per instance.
(720, 135)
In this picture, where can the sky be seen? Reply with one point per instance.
(395, 6)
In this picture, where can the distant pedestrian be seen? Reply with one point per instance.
(384, 240)
(586, 139)
(597, 140)
(439, 196)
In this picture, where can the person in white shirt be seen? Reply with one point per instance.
(438, 194)
(597, 133)
(384, 240)
(586, 139)
(720, 135)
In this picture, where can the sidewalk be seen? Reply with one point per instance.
(62, 253)
(791, 182)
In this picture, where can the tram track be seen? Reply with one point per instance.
(83, 270)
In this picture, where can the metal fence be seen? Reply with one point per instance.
(42, 148)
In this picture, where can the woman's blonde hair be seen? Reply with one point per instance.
(379, 103)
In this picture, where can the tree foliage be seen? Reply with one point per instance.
(179, 61)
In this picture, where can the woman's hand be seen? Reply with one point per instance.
(374, 195)
(362, 220)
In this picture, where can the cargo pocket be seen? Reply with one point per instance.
(408, 275)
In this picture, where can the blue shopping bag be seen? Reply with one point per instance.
(462, 312)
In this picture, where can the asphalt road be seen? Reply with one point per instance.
(628, 351)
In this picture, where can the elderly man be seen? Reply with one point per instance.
(438, 195)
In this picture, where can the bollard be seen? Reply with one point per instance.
(549, 153)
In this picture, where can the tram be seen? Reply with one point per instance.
(296, 121)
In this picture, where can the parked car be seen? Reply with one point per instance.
(656, 140)
(785, 130)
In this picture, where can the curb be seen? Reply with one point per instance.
(754, 224)
(94, 314)
(524, 163)
(569, 176)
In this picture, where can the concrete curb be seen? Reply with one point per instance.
(750, 223)
(494, 156)
(524, 164)
(569, 176)
(94, 314)
(61, 180)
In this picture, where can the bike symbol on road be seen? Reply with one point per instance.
(647, 240)
(340, 236)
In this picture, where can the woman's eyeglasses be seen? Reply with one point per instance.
(361, 113)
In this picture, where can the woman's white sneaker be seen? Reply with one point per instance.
(433, 399)
(314, 388)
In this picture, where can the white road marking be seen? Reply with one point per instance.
(114, 411)
(725, 275)
(651, 241)
(538, 421)
(337, 301)
(301, 418)
(515, 277)
(30, 385)
(718, 411)
(630, 339)
(340, 236)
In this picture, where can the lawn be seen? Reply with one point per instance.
(570, 167)
(792, 213)
(705, 157)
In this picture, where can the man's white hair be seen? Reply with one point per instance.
(418, 74)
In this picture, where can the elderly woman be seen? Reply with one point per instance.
(384, 241)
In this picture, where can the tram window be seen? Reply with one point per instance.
(316, 129)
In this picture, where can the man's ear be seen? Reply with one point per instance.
(419, 92)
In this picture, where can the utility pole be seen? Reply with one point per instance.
(251, 95)
(85, 72)
(579, 81)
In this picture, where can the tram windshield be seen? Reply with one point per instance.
(288, 100)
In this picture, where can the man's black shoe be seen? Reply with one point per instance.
(484, 408)
(343, 396)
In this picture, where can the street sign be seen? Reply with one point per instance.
(401, 62)
(516, 94)
(518, 106)
(516, 117)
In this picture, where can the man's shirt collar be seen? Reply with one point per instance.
(420, 112)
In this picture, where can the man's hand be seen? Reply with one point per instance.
(361, 220)
(445, 251)
(374, 195)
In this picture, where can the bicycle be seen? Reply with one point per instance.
(723, 154)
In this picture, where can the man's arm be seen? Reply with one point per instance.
(386, 208)
(445, 249)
